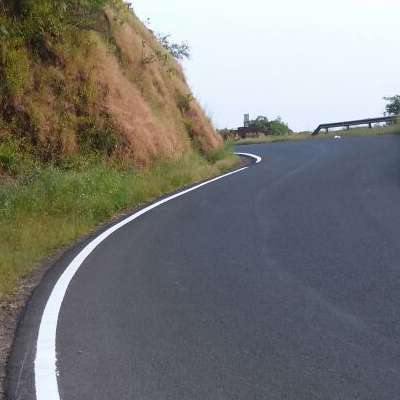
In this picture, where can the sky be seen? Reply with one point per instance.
(309, 61)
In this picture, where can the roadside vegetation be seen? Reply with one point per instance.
(393, 105)
(272, 139)
(275, 127)
(44, 206)
(88, 73)
(259, 127)
(375, 131)
(96, 117)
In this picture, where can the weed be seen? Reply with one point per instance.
(220, 153)
(14, 68)
(98, 135)
(183, 102)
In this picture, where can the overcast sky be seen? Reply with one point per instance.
(309, 61)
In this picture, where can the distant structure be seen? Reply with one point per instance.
(245, 130)
(246, 122)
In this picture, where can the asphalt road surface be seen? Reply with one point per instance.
(278, 282)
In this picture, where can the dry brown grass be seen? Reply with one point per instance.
(147, 137)
(143, 97)
(116, 79)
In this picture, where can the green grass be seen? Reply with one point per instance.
(394, 129)
(274, 138)
(43, 208)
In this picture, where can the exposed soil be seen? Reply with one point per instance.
(10, 311)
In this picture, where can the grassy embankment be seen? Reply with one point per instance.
(45, 207)
(96, 117)
(394, 129)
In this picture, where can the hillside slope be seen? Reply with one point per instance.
(96, 119)
(94, 78)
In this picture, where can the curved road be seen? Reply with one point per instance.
(278, 282)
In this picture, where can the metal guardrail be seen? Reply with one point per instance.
(347, 124)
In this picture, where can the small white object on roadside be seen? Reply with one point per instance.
(338, 137)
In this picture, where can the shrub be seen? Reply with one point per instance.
(274, 127)
(98, 135)
(178, 50)
(393, 107)
(220, 153)
(278, 127)
(14, 69)
(15, 160)
(260, 124)
(184, 101)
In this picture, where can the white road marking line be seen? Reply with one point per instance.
(46, 356)
(257, 158)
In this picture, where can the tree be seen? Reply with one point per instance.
(178, 50)
(278, 127)
(393, 108)
(260, 124)
(274, 127)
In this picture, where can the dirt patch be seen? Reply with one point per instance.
(245, 162)
(10, 312)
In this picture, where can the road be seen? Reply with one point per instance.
(278, 282)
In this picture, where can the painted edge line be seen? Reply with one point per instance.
(45, 367)
(253, 156)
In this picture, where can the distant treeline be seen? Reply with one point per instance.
(260, 125)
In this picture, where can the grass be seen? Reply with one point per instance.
(274, 138)
(43, 208)
(394, 129)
